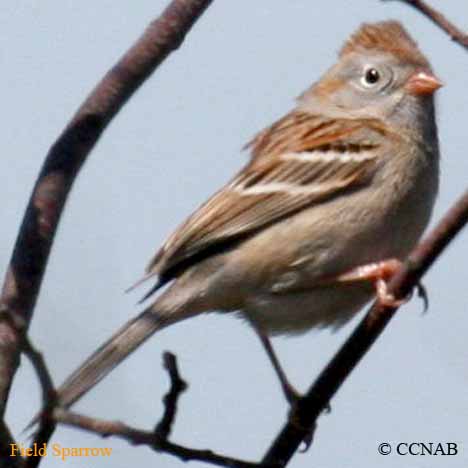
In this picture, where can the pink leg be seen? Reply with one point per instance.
(379, 273)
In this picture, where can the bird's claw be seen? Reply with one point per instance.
(422, 294)
(310, 432)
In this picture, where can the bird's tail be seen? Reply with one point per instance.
(110, 354)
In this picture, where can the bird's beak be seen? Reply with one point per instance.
(422, 83)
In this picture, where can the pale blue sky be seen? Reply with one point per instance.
(173, 144)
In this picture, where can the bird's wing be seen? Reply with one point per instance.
(297, 162)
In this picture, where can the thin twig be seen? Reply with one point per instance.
(151, 439)
(7, 460)
(178, 386)
(304, 417)
(47, 424)
(157, 440)
(62, 164)
(42, 372)
(440, 20)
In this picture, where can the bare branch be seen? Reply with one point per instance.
(6, 442)
(42, 372)
(47, 424)
(178, 386)
(150, 439)
(440, 20)
(62, 164)
(157, 440)
(304, 416)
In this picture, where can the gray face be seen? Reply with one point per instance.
(368, 81)
(368, 85)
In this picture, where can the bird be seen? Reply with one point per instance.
(334, 196)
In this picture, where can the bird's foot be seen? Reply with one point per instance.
(379, 273)
(294, 416)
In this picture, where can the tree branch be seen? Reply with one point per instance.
(6, 441)
(157, 440)
(150, 439)
(440, 20)
(47, 424)
(178, 386)
(303, 418)
(62, 164)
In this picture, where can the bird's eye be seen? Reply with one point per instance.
(371, 77)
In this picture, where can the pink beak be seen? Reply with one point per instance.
(422, 83)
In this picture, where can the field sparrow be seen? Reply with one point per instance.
(335, 194)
